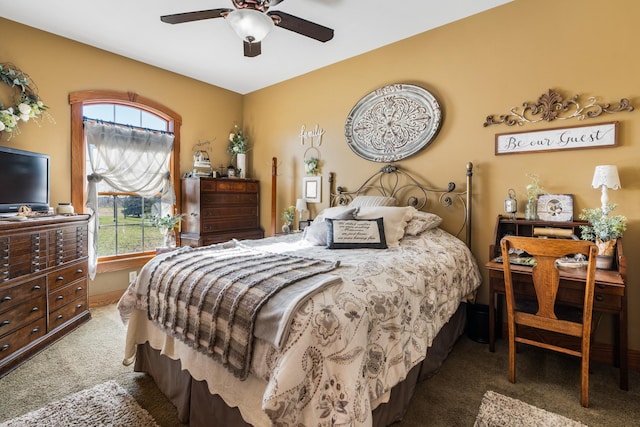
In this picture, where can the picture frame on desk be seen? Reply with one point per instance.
(302, 224)
(555, 207)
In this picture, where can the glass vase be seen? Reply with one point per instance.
(168, 237)
(531, 210)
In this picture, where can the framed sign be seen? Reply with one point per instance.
(555, 207)
(312, 189)
(586, 136)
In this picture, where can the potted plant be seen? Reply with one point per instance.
(166, 225)
(534, 189)
(238, 147)
(604, 230)
(287, 216)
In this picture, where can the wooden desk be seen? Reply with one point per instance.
(610, 292)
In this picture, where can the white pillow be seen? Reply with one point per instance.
(422, 221)
(361, 201)
(395, 220)
(316, 233)
(331, 212)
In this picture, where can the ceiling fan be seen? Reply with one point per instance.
(252, 21)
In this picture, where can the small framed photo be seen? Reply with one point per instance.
(312, 189)
(555, 207)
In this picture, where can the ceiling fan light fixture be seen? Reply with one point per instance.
(250, 25)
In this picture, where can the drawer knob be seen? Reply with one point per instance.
(34, 309)
(5, 299)
(36, 288)
(60, 316)
(79, 271)
(59, 297)
(79, 288)
(5, 323)
(599, 297)
(35, 330)
(4, 347)
(79, 306)
(59, 278)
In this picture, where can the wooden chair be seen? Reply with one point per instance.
(549, 317)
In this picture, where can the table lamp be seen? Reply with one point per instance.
(604, 177)
(301, 206)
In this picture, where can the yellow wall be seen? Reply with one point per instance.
(482, 65)
(59, 66)
(485, 64)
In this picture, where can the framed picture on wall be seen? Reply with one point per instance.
(312, 189)
(555, 207)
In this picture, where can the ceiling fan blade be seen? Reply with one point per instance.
(179, 18)
(302, 26)
(252, 49)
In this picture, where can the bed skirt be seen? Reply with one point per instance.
(198, 407)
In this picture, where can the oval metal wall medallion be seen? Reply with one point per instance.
(393, 123)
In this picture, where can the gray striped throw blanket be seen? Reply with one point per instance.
(209, 297)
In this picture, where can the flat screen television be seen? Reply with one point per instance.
(24, 180)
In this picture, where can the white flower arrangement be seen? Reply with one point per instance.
(238, 142)
(28, 105)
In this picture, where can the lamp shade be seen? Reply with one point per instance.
(250, 25)
(606, 175)
(301, 205)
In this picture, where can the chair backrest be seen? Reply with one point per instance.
(545, 274)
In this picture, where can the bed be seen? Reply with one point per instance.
(287, 331)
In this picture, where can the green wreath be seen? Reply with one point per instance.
(28, 105)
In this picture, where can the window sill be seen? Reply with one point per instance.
(107, 266)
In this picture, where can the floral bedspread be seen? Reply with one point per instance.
(353, 341)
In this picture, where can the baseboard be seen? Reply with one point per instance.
(108, 298)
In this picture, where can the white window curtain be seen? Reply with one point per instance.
(129, 160)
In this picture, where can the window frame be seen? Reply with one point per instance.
(78, 100)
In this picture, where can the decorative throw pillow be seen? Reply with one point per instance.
(316, 233)
(356, 233)
(395, 220)
(420, 222)
(362, 201)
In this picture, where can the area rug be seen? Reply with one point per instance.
(497, 410)
(106, 404)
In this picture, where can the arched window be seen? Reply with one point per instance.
(126, 240)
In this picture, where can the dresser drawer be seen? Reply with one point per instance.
(22, 314)
(228, 199)
(66, 275)
(23, 336)
(64, 295)
(12, 296)
(67, 312)
(228, 224)
(234, 186)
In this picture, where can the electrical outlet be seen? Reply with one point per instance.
(132, 276)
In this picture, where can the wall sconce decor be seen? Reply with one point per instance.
(551, 106)
(604, 177)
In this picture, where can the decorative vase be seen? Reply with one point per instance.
(606, 251)
(286, 228)
(241, 165)
(168, 237)
(531, 210)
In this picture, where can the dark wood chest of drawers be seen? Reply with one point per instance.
(43, 284)
(219, 209)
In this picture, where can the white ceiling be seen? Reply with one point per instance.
(211, 52)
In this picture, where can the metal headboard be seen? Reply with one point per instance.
(392, 181)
